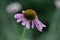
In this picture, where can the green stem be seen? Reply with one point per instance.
(24, 31)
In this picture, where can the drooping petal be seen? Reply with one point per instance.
(37, 20)
(18, 15)
(28, 25)
(23, 19)
(32, 24)
(24, 22)
(19, 20)
(42, 24)
(38, 28)
(39, 24)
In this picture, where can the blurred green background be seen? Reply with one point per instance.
(47, 13)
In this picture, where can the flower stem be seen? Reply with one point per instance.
(24, 31)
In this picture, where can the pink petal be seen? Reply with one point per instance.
(24, 22)
(23, 19)
(37, 20)
(38, 28)
(32, 24)
(42, 24)
(18, 15)
(28, 25)
(19, 20)
(39, 24)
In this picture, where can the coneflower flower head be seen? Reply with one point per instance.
(28, 16)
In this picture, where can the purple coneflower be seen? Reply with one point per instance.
(28, 16)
